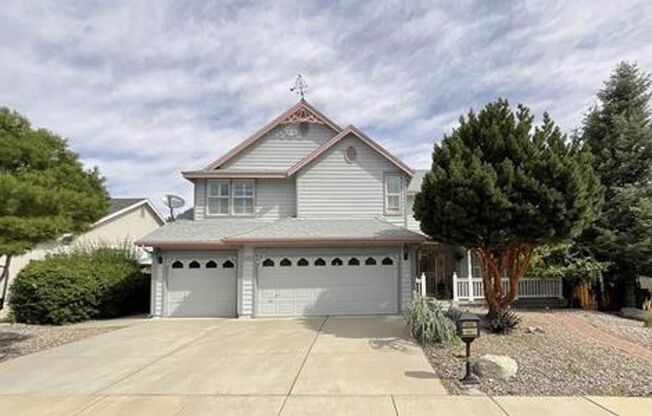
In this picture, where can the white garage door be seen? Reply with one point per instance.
(202, 286)
(347, 284)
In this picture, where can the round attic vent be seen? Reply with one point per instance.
(351, 154)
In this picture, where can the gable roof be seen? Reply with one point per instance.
(301, 111)
(119, 206)
(354, 131)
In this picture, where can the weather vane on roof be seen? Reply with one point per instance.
(300, 86)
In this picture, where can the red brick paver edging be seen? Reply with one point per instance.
(607, 339)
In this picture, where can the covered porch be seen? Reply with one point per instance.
(455, 274)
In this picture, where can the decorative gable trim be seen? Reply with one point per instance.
(302, 115)
(350, 130)
(298, 113)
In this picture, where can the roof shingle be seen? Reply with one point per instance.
(238, 231)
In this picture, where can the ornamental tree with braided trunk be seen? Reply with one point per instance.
(501, 187)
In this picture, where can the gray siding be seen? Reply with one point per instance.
(246, 266)
(275, 198)
(200, 199)
(282, 147)
(412, 223)
(156, 305)
(332, 188)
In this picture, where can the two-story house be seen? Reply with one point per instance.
(302, 218)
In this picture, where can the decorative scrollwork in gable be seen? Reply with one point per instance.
(302, 115)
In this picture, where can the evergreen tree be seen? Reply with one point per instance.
(619, 133)
(45, 190)
(501, 187)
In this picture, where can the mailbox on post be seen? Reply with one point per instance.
(468, 329)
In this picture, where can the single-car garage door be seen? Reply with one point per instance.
(347, 284)
(202, 286)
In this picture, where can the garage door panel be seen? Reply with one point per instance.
(207, 290)
(330, 289)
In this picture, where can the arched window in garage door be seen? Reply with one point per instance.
(194, 265)
(320, 262)
(268, 263)
(177, 265)
(354, 262)
(211, 264)
(370, 261)
(285, 263)
(387, 261)
(302, 262)
(228, 264)
(336, 262)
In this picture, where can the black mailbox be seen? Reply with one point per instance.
(468, 329)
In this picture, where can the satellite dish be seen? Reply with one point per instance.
(173, 202)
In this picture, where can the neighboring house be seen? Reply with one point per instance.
(302, 218)
(126, 220)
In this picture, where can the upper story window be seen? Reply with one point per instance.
(393, 193)
(243, 197)
(230, 197)
(219, 197)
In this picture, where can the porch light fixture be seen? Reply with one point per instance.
(405, 251)
(468, 329)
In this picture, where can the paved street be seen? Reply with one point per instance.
(321, 366)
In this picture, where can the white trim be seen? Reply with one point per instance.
(129, 208)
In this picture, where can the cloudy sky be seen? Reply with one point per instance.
(145, 89)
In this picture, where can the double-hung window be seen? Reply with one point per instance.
(230, 197)
(219, 197)
(393, 193)
(243, 197)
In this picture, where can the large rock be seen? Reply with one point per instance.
(634, 313)
(498, 367)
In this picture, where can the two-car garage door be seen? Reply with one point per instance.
(350, 283)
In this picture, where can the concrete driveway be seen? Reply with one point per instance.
(249, 367)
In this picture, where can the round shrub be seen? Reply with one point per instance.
(77, 286)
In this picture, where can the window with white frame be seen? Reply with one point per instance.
(230, 197)
(393, 192)
(243, 197)
(219, 197)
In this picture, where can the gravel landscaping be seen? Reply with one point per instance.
(21, 339)
(558, 361)
(629, 329)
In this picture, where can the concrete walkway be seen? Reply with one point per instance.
(322, 366)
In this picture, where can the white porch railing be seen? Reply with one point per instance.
(472, 289)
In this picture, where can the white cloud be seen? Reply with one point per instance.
(145, 89)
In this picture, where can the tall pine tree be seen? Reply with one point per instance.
(619, 133)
